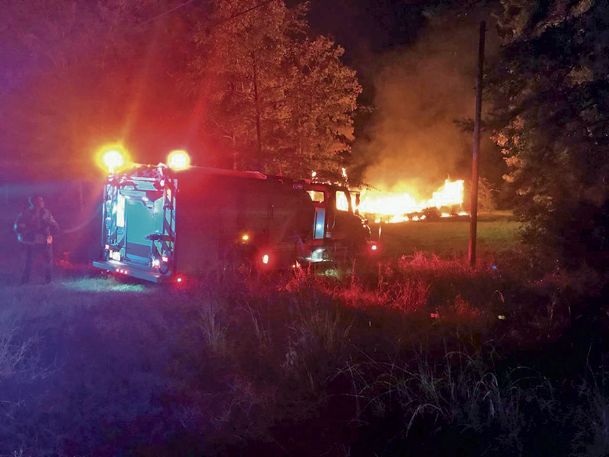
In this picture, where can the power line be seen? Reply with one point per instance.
(241, 13)
(218, 22)
(168, 12)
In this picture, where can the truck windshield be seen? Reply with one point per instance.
(316, 196)
(342, 202)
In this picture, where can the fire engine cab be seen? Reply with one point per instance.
(338, 230)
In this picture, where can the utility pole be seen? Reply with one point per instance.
(473, 225)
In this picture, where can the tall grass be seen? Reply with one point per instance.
(458, 390)
(403, 358)
(13, 352)
(591, 416)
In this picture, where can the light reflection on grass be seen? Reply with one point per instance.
(332, 273)
(103, 285)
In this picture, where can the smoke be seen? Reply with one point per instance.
(413, 142)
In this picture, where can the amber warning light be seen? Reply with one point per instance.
(178, 160)
(112, 158)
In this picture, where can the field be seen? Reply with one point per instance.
(496, 233)
(415, 355)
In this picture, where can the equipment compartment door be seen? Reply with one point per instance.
(142, 219)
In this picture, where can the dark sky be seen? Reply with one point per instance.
(367, 26)
(369, 29)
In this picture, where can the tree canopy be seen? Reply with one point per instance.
(550, 93)
(285, 98)
(237, 82)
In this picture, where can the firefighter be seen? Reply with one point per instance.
(35, 228)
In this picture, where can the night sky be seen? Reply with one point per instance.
(367, 28)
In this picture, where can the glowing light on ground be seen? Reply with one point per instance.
(105, 286)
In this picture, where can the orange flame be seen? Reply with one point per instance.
(399, 206)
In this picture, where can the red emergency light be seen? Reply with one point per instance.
(374, 247)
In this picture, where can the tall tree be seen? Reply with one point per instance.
(281, 99)
(550, 91)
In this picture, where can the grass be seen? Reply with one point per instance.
(496, 233)
(407, 357)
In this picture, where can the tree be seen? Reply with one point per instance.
(551, 119)
(276, 98)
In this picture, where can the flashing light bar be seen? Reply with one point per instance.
(113, 160)
(178, 160)
(113, 157)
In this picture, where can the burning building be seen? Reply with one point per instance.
(404, 206)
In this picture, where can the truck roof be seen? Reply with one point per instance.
(153, 171)
(224, 172)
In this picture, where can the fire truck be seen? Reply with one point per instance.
(165, 223)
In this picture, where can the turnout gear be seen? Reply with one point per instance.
(35, 228)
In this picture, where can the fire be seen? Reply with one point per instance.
(403, 206)
(450, 194)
